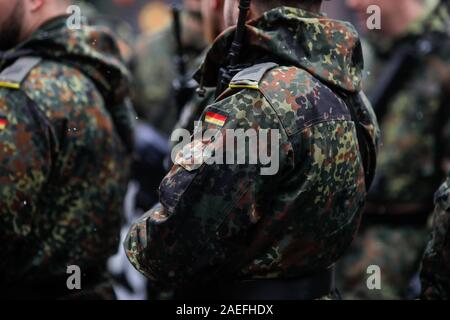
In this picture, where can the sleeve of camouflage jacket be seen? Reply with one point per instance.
(203, 205)
(25, 165)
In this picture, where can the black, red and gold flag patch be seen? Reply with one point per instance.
(3, 122)
(215, 118)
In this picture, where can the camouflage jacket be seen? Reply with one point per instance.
(435, 274)
(415, 153)
(65, 133)
(231, 222)
(154, 69)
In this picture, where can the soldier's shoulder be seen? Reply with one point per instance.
(242, 109)
(297, 80)
(273, 81)
(289, 94)
(15, 74)
(51, 81)
(17, 110)
(300, 99)
(29, 74)
(13, 102)
(13, 99)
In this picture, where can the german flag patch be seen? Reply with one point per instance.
(3, 122)
(215, 118)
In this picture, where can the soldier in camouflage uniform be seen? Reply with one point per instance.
(154, 69)
(122, 30)
(229, 231)
(435, 274)
(409, 85)
(65, 139)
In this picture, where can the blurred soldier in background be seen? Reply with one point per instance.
(408, 85)
(150, 150)
(122, 30)
(213, 25)
(435, 274)
(65, 140)
(154, 69)
(160, 64)
(227, 230)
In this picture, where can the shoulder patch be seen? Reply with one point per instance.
(215, 118)
(249, 78)
(13, 76)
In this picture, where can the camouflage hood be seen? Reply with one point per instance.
(328, 49)
(92, 50)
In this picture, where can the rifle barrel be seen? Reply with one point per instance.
(236, 46)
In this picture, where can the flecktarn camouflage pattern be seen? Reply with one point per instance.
(228, 222)
(64, 129)
(435, 274)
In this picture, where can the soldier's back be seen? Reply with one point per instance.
(65, 173)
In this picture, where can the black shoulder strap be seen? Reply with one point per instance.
(251, 77)
(247, 78)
